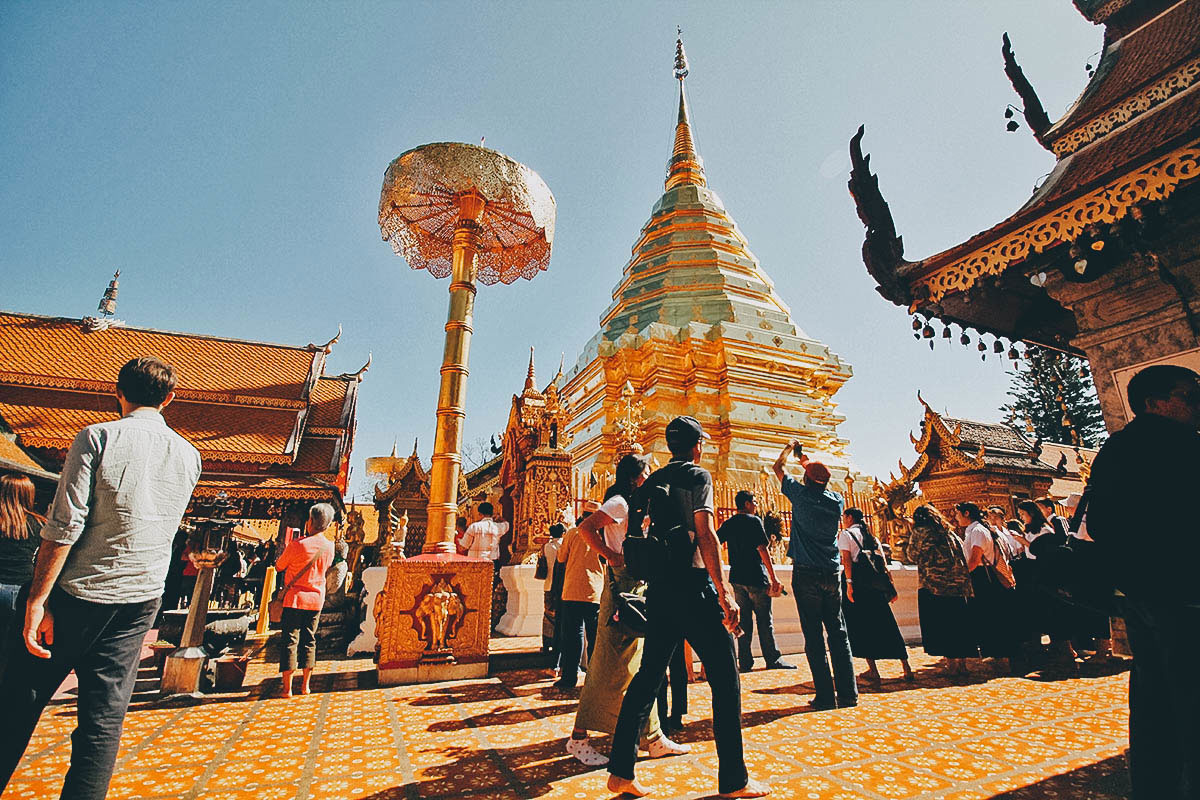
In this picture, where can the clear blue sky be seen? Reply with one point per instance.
(228, 159)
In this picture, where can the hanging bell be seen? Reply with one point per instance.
(916, 324)
(964, 340)
(927, 331)
(981, 347)
(946, 332)
(997, 347)
(1013, 355)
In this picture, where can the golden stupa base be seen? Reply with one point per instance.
(433, 619)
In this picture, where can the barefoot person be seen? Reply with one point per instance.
(99, 576)
(689, 600)
(303, 564)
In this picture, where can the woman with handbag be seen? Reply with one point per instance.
(994, 607)
(303, 564)
(867, 597)
(617, 653)
(945, 588)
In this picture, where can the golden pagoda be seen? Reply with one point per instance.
(697, 328)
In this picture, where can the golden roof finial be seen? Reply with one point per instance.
(530, 380)
(685, 166)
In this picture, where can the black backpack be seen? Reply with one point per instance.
(667, 547)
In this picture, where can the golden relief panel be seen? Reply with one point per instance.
(1108, 204)
(1133, 106)
(436, 608)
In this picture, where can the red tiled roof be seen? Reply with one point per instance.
(50, 418)
(13, 457)
(317, 454)
(1136, 60)
(329, 399)
(265, 487)
(57, 351)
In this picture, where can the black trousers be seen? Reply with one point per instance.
(1164, 700)
(578, 626)
(685, 609)
(103, 644)
(298, 643)
(677, 677)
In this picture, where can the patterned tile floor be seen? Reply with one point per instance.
(502, 737)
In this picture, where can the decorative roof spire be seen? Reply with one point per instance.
(108, 303)
(685, 166)
(530, 380)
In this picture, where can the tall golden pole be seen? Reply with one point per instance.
(451, 408)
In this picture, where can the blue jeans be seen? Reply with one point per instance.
(819, 603)
(756, 605)
(103, 644)
(1164, 700)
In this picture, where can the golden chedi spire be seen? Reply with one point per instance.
(530, 378)
(685, 166)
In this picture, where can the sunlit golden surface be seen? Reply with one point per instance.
(503, 737)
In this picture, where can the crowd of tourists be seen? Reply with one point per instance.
(638, 579)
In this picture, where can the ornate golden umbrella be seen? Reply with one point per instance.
(476, 215)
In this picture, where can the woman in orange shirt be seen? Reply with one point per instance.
(302, 566)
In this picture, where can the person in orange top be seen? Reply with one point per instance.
(302, 566)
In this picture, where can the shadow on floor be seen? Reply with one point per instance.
(1104, 780)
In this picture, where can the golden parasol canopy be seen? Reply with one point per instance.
(423, 201)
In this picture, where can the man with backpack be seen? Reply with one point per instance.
(687, 598)
(816, 517)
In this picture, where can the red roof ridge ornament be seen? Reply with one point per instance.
(327, 348)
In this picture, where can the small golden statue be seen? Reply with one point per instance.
(438, 610)
(392, 549)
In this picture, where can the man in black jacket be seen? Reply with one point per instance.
(1156, 459)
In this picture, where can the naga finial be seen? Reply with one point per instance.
(1035, 115)
(883, 250)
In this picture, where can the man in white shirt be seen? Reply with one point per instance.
(482, 539)
(99, 576)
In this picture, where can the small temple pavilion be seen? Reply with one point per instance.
(696, 327)
(988, 464)
(274, 432)
(1103, 261)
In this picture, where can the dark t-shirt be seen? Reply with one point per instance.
(17, 555)
(744, 533)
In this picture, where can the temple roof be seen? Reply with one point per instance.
(248, 407)
(57, 351)
(14, 459)
(1130, 140)
(949, 443)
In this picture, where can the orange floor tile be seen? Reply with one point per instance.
(503, 737)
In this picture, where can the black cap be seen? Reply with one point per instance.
(683, 433)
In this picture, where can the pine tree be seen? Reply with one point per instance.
(1055, 392)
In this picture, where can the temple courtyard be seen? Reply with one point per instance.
(503, 737)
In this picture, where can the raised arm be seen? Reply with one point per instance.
(777, 467)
